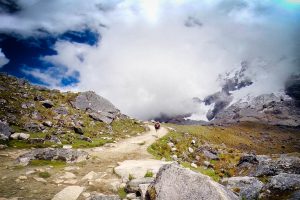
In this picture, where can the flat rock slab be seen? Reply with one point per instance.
(69, 193)
(138, 168)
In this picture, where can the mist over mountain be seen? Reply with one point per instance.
(153, 57)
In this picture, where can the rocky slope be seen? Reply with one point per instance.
(254, 161)
(34, 116)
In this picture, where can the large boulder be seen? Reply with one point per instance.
(283, 182)
(283, 164)
(100, 109)
(176, 182)
(67, 155)
(246, 187)
(4, 131)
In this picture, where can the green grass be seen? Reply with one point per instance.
(22, 144)
(209, 172)
(84, 144)
(54, 163)
(44, 174)
(122, 193)
(130, 177)
(149, 174)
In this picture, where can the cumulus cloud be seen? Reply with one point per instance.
(155, 56)
(3, 59)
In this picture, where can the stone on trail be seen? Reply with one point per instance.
(176, 182)
(91, 175)
(103, 197)
(134, 185)
(69, 193)
(138, 168)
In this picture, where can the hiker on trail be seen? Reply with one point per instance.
(157, 126)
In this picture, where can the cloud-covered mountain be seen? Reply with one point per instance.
(153, 57)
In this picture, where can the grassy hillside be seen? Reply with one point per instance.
(22, 107)
(228, 142)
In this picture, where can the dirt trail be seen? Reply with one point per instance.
(103, 160)
(131, 148)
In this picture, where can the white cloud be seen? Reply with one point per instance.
(148, 62)
(3, 59)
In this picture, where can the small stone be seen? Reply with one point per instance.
(40, 179)
(194, 165)
(86, 194)
(15, 136)
(131, 196)
(69, 193)
(78, 130)
(30, 172)
(170, 144)
(68, 175)
(173, 149)
(3, 146)
(191, 150)
(47, 123)
(71, 181)
(22, 177)
(174, 157)
(193, 142)
(67, 147)
(57, 181)
(24, 136)
(91, 175)
(47, 104)
(206, 163)
(71, 168)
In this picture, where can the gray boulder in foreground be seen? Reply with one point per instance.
(66, 155)
(177, 183)
(246, 187)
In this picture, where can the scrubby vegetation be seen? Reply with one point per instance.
(215, 151)
(22, 107)
(149, 174)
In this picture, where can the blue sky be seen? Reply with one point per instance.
(26, 53)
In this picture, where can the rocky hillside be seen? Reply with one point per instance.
(253, 160)
(35, 116)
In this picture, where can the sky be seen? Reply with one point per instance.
(150, 57)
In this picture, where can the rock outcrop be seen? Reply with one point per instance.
(41, 112)
(283, 182)
(4, 131)
(67, 155)
(100, 108)
(175, 182)
(273, 109)
(246, 187)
